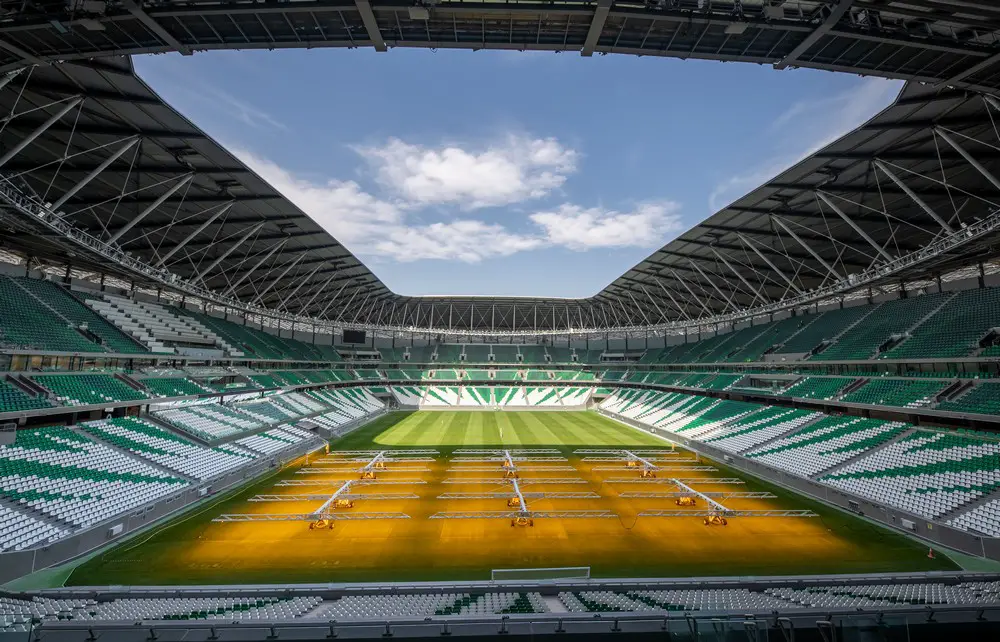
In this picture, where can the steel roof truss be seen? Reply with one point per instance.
(250, 232)
(771, 265)
(173, 189)
(823, 196)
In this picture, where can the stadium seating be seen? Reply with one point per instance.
(477, 375)
(825, 388)
(887, 320)
(560, 355)
(505, 353)
(148, 441)
(87, 389)
(386, 606)
(741, 600)
(532, 354)
(825, 327)
(368, 375)
(448, 353)
(209, 422)
(826, 443)
(265, 380)
(12, 399)
(477, 353)
(983, 519)
(757, 427)
(27, 323)
(19, 531)
(896, 392)
(173, 387)
(420, 354)
(72, 309)
(59, 473)
(954, 331)
(983, 399)
(927, 473)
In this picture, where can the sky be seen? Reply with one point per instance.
(508, 173)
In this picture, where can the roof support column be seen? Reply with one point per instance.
(961, 150)
(129, 144)
(253, 230)
(771, 265)
(739, 275)
(371, 25)
(857, 228)
(807, 247)
(278, 278)
(201, 228)
(41, 129)
(291, 295)
(596, 27)
(185, 180)
(277, 246)
(913, 196)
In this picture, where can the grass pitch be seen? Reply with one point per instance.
(193, 549)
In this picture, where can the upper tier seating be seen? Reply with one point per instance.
(927, 473)
(477, 353)
(148, 441)
(956, 329)
(392, 355)
(26, 323)
(824, 327)
(86, 389)
(477, 375)
(891, 318)
(532, 354)
(72, 309)
(560, 355)
(448, 353)
(592, 357)
(505, 353)
(159, 327)
(368, 375)
(265, 380)
(770, 335)
(982, 399)
(59, 473)
(12, 399)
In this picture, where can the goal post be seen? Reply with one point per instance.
(555, 573)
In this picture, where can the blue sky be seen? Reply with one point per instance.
(507, 173)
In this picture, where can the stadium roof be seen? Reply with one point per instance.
(91, 139)
(950, 42)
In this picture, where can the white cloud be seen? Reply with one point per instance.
(805, 127)
(352, 215)
(468, 241)
(375, 227)
(579, 229)
(513, 170)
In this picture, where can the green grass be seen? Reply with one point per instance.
(192, 550)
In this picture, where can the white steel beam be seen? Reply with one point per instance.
(289, 297)
(322, 289)
(185, 180)
(253, 230)
(129, 144)
(739, 275)
(41, 129)
(691, 292)
(857, 228)
(277, 246)
(913, 196)
(201, 228)
(712, 283)
(808, 248)
(771, 265)
(680, 309)
(279, 277)
(961, 150)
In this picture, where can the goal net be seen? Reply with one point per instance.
(557, 573)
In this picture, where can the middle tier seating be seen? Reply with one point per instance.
(89, 389)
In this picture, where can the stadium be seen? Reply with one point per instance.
(217, 421)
